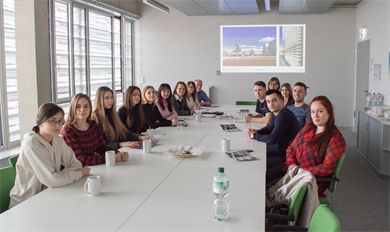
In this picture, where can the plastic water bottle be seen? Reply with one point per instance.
(381, 98)
(221, 183)
(373, 97)
(368, 101)
(221, 209)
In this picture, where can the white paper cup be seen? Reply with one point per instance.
(93, 185)
(110, 158)
(198, 117)
(147, 146)
(225, 144)
(150, 133)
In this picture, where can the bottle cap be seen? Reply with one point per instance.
(221, 170)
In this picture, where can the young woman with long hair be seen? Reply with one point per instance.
(179, 101)
(164, 102)
(192, 101)
(274, 83)
(317, 147)
(104, 113)
(45, 161)
(287, 94)
(152, 116)
(84, 136)
(131, 113)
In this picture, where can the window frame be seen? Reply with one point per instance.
(126, 77)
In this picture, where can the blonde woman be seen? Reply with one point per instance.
(45, 161)
(192, 101)
(113, 130)
(152, 116)
(83, 135)
(287, 94)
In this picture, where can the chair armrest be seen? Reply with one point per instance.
(285, 228)
(327, 179)
(274, 216)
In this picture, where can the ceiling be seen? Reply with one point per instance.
(243, 7)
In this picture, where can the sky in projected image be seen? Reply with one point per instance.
(249, 36)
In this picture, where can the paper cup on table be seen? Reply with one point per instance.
(198, 117)
(93, 185)
(150, 133)
(225, 144)
(110, 158)
(147, 146)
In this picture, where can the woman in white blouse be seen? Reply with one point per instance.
(192, 102)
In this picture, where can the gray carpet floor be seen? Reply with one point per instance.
(361, 200)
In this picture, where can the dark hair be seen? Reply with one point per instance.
(260, 83)
(46, 111)
(160, 98)
(272, 91)
(318, 144)
(288, 86)
(185, 88)
(133, 111)
(193, 95)
(276, 80)
(302, 85)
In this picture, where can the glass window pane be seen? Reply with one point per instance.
(79, 50)
(100, 52)
(10, 70)
(128, 54)
(119, 100)
(62, 50)
(117, 54)
(65, 107)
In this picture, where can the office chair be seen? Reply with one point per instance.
(12, 161)
(251, 103)
(7, 181)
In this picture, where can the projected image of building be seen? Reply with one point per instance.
(291, 46)
(242, 55)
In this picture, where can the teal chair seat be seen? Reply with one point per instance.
(7, 181)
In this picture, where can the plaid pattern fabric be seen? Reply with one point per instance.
(304, 158)
(88, 146)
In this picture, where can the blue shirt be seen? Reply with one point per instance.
(302, 113)
(202, 96)
(262, 107)
(282, 130)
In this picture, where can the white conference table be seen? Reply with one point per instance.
(157, 192)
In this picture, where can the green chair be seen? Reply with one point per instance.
(12, 161)
(293, 210)
(251, 103)
(332, 185)
(7, 180)
(323, 220)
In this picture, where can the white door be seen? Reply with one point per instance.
(362, 75)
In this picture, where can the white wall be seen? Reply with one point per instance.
(173, 47)
(373, 15)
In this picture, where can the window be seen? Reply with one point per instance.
(9, 117)
(92, 47)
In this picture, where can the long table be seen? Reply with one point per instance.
(157, 192)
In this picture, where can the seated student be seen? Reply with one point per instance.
(282, 129)
(179, 101)
(104, 113)
(164, 102)
(201, 95)
(84, 136)
(287, 94)
(274, 83)
(152, 116)
(300, 108)
(192, 101)
(45, 161)
(131, 113)
(317, 148)
(263, 115)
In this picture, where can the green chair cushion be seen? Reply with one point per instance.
(252, 103)
(324, 201)
(7, 180)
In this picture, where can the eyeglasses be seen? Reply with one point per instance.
(273, 84)
(53, 122)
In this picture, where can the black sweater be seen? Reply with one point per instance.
(152, 114)
(135, 128)
(180, 106)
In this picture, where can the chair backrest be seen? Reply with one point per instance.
(252, 103)
(7, 181)
(296, 203)
(324, 220)
(336, 172)
(12, 161)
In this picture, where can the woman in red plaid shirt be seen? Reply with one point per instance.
(318, 146)
(83, 135)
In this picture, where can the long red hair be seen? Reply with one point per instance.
(318, 144)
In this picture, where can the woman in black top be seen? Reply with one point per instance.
(152, 115)
(179, 101)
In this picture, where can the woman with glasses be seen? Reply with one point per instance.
(274, 83)
(192, 101)
(45, 161)
(84, 136)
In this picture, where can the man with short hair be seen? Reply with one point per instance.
(300, 108)
(282, 128)
(202, 97)
(263, 115)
